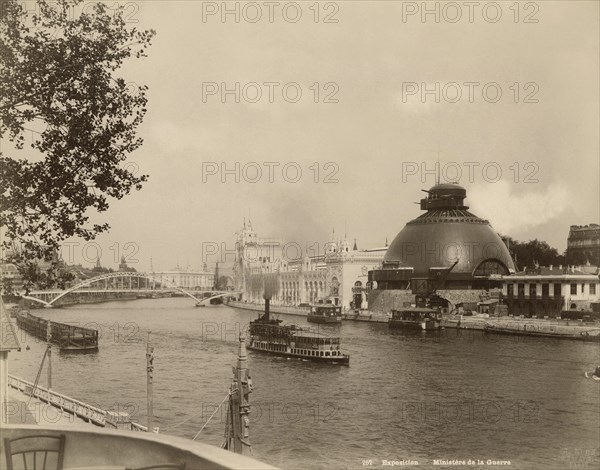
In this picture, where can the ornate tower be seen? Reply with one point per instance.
(245, 242)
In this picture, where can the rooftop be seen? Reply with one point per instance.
(559, 271)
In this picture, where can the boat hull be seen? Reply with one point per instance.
(543, 334)
(343, 360)
(320, 319)
(78, 347)
(426, 325)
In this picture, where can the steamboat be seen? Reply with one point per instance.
(325, 313)
(269, 336)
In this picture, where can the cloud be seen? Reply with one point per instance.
(177, 137)
(511, 213)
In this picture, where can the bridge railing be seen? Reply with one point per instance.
(87, 412)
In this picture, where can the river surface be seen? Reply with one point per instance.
(453, 395)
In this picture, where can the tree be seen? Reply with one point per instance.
(532, 253)
(58, 84)
(6, 286)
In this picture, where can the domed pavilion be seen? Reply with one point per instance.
(445, 236)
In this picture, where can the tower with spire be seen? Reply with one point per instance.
(98, 266)
(254, 254)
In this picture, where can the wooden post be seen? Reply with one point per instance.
(241, 411)
(49, 346)
(149, 377)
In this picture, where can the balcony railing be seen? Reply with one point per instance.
(91, 447)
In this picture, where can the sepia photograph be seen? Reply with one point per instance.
(299, 235)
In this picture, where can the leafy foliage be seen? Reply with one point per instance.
(532, 253)
(58, 85)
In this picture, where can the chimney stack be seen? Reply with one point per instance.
(267, 309)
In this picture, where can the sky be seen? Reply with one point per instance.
(505, 95)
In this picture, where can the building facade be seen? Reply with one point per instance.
(11, 280)
(267, 265)
(583, 244)
(546, 291)
(188, 279)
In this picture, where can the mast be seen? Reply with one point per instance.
(216, 280)
(149, 383)
(49, 346)
(237, 432)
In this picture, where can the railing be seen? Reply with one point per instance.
(139, 427)
(78, 408)
(92, 447)
(65, 403)
(537, 296)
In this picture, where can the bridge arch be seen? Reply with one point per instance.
(138, 275)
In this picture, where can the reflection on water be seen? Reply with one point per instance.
(452, 394)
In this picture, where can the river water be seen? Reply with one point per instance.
(453, 395)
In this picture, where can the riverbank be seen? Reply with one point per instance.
(287, 310)
(350, 315)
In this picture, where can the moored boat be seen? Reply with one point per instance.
(545, 329)
(269, 336)
(325, 313)
(419, 318)
(68, 337)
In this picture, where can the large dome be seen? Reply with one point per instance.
(447, 233)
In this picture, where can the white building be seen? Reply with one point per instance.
(189, 279)
(548, 290)
(337, 275)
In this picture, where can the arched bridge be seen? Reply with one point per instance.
(166, 286)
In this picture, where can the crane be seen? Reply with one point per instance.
(431, 299)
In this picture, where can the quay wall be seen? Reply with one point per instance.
(350, 315)
(302, 311)
(383, 301)
(386, 300)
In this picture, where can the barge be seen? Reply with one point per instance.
(547, 330)
(269, 336)
(67, 337)
(417, 318)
